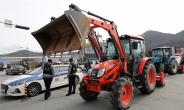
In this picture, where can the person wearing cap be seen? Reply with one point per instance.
(72, 69)
(48, 74)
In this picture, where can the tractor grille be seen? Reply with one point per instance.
(94, 73)
(93, 82)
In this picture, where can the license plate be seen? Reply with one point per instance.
(20, 69)
(93, 88)
(2, 90)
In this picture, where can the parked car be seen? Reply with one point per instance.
(16, 69)
(66, 63)
(34, 81)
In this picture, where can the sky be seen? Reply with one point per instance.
(131, 17)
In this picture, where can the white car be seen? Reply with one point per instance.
(16, 86)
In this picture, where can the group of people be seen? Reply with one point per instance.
(48, 75)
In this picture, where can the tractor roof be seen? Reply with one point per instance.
(163, 47)
(132, 36)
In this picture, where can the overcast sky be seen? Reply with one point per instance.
(131, 17)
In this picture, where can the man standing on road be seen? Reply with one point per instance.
(48, 74)
(87, 66)
(72, 69)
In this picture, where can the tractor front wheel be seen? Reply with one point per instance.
(172, 67)
(85, 94)
(160, 68)
(148, 78)
(121, 94)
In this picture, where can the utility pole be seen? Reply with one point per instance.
(27, 53)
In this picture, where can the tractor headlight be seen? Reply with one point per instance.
(96, 73)
(101, 72)
(18, 83)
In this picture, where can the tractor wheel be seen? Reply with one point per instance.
(172, 67)
(87, 95)
(148, 78)
(160, 68)
(121, 94)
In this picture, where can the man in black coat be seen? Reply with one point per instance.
(72, 69)
(48, 74)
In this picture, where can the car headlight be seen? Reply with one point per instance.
(101, 72)
(18, 83)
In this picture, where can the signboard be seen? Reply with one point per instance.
(89, 45)
(8, 23)
(28, 59)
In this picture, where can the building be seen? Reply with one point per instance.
(87, 53)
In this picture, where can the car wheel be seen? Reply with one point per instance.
(6, 73)
(76, 80)
(34, 89)
(23, 73)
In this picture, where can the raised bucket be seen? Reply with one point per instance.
(64, 34)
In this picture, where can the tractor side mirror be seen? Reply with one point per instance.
(134, 45)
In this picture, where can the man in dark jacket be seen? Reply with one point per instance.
(48, 74)
(72, 69)
(182, 59)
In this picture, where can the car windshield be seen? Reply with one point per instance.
(36, 71)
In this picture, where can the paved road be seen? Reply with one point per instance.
(170, 97)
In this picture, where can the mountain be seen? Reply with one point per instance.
(23, 53)
(155, 39)
(152, 39)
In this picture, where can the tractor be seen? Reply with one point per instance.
(163, 60)
(122, 67)
(24, 63)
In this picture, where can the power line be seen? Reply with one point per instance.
(153, 15)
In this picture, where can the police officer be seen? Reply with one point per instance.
(72, 69)
(48, 74)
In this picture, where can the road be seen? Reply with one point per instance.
(169, 97)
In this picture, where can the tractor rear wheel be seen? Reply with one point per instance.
(172, 67)
(160, 68)
(121, 94)
(148, 78)
(87, 95)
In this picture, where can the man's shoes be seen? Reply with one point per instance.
(68, 94)
(73, 92)
(46, 97)
(49, 95)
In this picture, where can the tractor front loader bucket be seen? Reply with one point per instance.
(160, 81)
(64, 34)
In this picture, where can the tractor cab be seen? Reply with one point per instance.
(134, 49)
(161, 54)
(24, 63)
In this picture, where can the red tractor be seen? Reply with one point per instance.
(123, 65)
